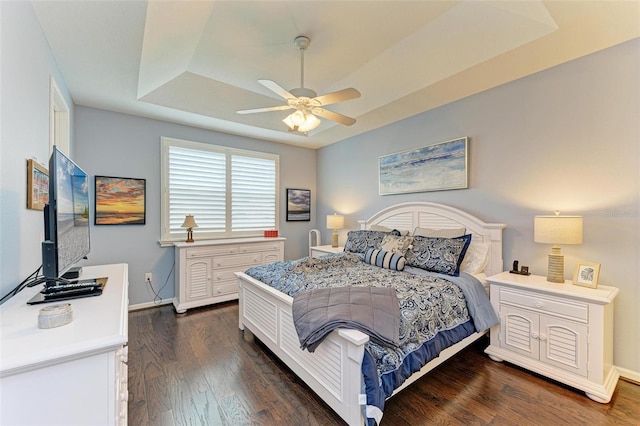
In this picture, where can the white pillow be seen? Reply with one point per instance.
(476, 258)
(440, 233)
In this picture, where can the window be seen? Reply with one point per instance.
(230, 192)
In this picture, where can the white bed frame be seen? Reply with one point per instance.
(333, 371)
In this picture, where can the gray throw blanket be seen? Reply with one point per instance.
(372, 310)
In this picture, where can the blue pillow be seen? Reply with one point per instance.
(359, 241)
(442, 255)
(385, 259)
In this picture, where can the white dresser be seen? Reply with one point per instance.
(562, 331)
(73, 374)
(205, 269)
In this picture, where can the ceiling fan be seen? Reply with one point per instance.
(308, 105)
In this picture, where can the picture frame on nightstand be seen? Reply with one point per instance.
(586, 274)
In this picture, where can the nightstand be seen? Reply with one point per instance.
(561, 331)
(317, 251)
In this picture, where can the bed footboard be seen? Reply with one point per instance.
(333, 371)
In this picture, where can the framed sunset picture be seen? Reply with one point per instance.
(120, 201)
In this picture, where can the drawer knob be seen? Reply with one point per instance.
(539, 304)
(543, 337)
(534, 335)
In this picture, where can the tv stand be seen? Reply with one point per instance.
(74, 374)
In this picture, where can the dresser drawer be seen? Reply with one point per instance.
(261, 247)
(226, 287)
(228, 275)
(560, 307)
(222, 250)
(240, 261)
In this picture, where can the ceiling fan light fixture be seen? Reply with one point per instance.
(306, 102)
(302, 122)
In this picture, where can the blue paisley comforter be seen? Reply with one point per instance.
(434, 313)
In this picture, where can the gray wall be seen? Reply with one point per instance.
(27, 64)
(566, 138)
(113, 144)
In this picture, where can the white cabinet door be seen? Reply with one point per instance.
(519, 330)
(564, 344)
(198, 278)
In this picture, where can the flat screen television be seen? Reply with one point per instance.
(66, 218)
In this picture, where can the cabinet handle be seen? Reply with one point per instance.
(543, 337)
(534, 335)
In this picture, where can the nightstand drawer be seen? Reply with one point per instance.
(563, 308)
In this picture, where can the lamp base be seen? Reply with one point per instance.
(555, 270)
(189, 236)
(334, 239)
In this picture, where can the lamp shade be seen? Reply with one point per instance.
(189, 222)
(557, 229)
(335, 221)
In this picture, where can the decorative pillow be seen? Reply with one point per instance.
(476, 258)
(385, 259)
(440, 233)
(443, 255)
(359, 241)
(396, 244)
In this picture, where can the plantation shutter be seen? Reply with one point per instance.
(230, 193)
(253, 189)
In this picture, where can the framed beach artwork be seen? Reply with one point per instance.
(37, 185)
(437, 167)
(298, 205)
(120, 201)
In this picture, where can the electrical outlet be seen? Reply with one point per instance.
(148, 277)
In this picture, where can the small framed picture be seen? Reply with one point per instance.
(37, 185)
(586, 274)
(298, 205)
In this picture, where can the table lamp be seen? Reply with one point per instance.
(189, 223)
(335, 222)
(557, 230)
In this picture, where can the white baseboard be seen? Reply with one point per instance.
(148, 305)
(631, 376)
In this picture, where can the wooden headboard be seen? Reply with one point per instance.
(408, 216)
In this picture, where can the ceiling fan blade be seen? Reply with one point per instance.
(334, 116)
(276, 88)
(339, 96)
(267, 109)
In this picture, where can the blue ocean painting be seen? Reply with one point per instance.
(431, 168)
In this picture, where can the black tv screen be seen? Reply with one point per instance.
(66, 217)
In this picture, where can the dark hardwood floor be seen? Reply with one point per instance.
(200, 369)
